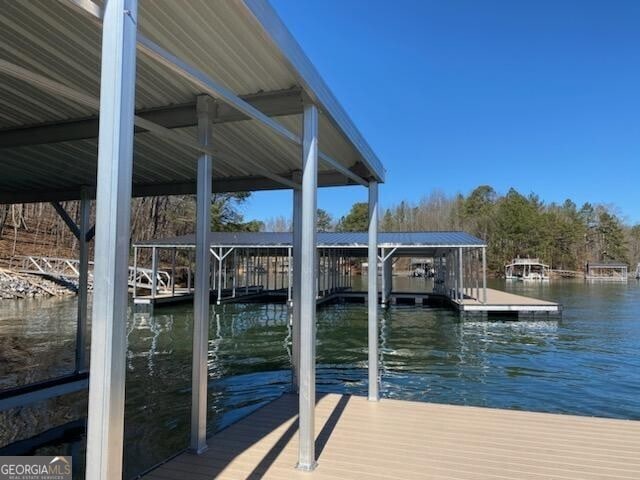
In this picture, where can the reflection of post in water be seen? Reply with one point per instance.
(383, 340)
(288, 346)
(154, 327)
(156, 324)
(216, 342)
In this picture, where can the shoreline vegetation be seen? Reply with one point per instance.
(565, 236)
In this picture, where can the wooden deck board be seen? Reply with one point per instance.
(392, 439)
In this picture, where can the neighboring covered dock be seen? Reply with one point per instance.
(607, 271)
(527, 269)
(245, 262)
(258, 266)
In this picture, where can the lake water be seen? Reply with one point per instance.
(587, 362)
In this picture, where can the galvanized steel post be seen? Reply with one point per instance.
(154, 272)
(383, 278)
(135, 271)
(113, 215)
(235, 273)
(297, 286)
(199, 377)
(220, 265)
(289, 276)
(83, 282)
(307, 395)
(461, 273)
(373, 291)
(484, 275)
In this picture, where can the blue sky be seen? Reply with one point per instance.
(540, 95)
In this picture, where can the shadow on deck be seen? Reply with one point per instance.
(393, 439)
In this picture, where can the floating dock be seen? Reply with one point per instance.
(392, 439)
(185, 295)
(500, 302)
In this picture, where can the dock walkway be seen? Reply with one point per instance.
(394, 439)
(499, 301)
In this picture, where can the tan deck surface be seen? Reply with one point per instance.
(498, 297)
(395, 439)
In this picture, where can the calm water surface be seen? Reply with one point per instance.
(586, 363)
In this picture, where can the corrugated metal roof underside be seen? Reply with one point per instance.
(328, 239)
(219, 38)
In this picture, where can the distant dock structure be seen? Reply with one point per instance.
(527, 269)
(607, 271)
(258, 266)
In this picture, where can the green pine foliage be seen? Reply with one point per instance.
(514, 224)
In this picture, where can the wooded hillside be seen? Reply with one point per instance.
(563, 235)
(36, 229)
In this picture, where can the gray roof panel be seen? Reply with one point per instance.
(240, 44)
(329, 239)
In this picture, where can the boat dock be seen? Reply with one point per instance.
(258, 267)
(499, 302)
(393, 439)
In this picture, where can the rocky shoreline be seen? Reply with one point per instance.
(15, 285)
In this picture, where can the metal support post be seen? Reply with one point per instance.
(373, 291)
(246, 272)
(297, 285)
(268, 269)
(275, 273)
(289, 277)
(83, 282)
(135, 271)
(235, 274)
(484, 275)
(307, 395)
(461, 273)
(113, 214)
(220, 263)
(199, 377)
(154, 272)
(173, 272)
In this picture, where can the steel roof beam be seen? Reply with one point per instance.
(211, 87)
(273, 104)
(72, 94)
(220, 185)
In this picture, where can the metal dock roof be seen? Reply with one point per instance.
(326, 240)
(50, 55)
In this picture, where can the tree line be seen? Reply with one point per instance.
(564, 235)
(36, 228)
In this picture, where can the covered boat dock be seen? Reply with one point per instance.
(102, 101)
(246, 264)
(258, 266)
(114, 99)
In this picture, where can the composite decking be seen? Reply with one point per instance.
(394, 439)
(500, 301)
